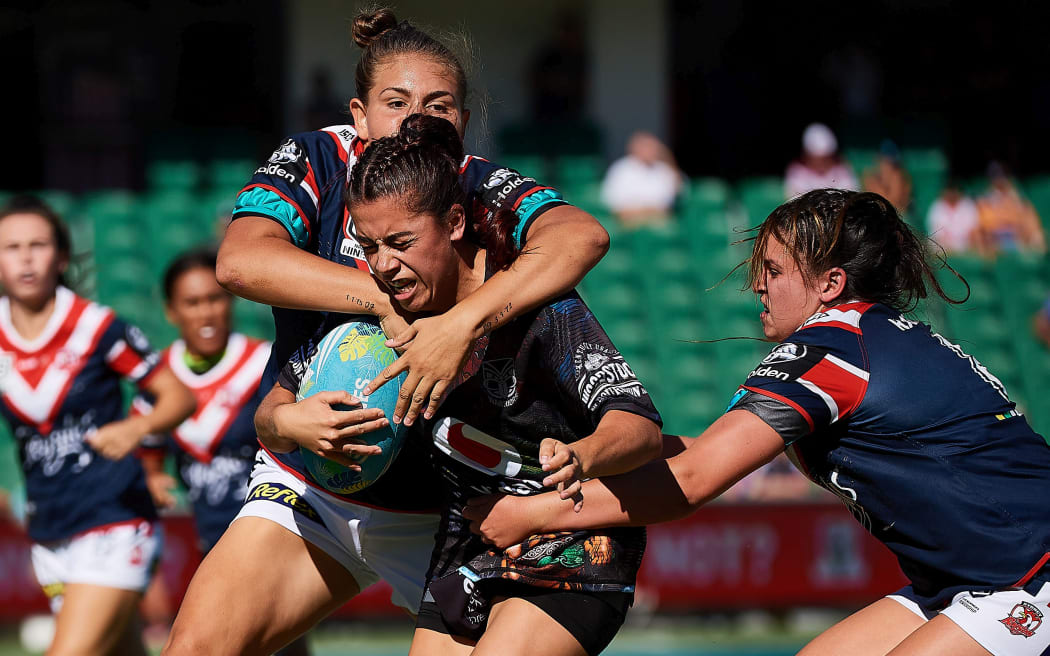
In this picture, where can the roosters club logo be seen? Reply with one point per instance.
(1023, 620)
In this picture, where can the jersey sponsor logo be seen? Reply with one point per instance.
(500, 381)
(785, 353)
(476, 449)
(217, 480)
(284, 495)
(769, 372)
(276, 170)
(1024, 619)
(286, 153)
(602, 373)
(502, 184)
(350, 248)
(49, 450)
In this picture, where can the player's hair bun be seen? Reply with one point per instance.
(370, 24)
(431, 132)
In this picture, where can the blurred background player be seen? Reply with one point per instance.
(820, 165)
(640, 188)
(90, 516)
(215, 448)
(292, 245)
(917, 438)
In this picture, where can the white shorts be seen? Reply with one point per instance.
(1005, 622)
(372, 544)
(122, 555)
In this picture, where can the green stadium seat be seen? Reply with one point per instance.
(533, 166)
(173, 174)
(861, 159)
(922, 161)
(576, 170)
(760, 196)
(230, 175)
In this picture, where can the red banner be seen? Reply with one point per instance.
(724, 556)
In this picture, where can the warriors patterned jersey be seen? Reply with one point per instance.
(551, 373)
(301, 187)
(215, 448)
(918, 439)
(59, 388)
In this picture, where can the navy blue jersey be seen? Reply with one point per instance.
(301, 187)
(59, 388)
(552, 372)
(215, 448)
(917, 438)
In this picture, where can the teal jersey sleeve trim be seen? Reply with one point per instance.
(266, 203)
(530, 206)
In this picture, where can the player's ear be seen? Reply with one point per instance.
(456, 221)
(357, 109)
(831, 285)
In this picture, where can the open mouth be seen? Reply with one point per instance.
(402, 287)
(207, 332)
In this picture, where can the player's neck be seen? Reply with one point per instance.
(471, 272)
(29, 318)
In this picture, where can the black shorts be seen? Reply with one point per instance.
(593, 618)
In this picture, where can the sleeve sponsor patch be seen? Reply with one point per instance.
(818, 384)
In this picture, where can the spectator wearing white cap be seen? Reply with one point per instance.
(820, 165)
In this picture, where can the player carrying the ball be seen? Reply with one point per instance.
(549, 402)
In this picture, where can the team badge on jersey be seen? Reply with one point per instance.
(500, 381)
(286, 153)
(1023, 619)
(785, 353)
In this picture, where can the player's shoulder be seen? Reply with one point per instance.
(334, 140)
(840, 331)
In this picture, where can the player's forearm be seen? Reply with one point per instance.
(269, 269)
(266, 428)
(174, 403)
(647, 495)
(563, 245)
(622, 442)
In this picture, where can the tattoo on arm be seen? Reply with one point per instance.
(362, 303)
(494, 322)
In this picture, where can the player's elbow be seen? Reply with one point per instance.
(232, 271)
(594, 241)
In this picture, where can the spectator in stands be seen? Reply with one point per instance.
(820, 165)
(888, 178)
(1006, 221)
(952, 220)
(641, 186)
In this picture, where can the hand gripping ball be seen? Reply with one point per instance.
(347, 359)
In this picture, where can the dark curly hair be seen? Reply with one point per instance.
(861, 232)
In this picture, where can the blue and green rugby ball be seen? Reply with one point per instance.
(347, 359)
